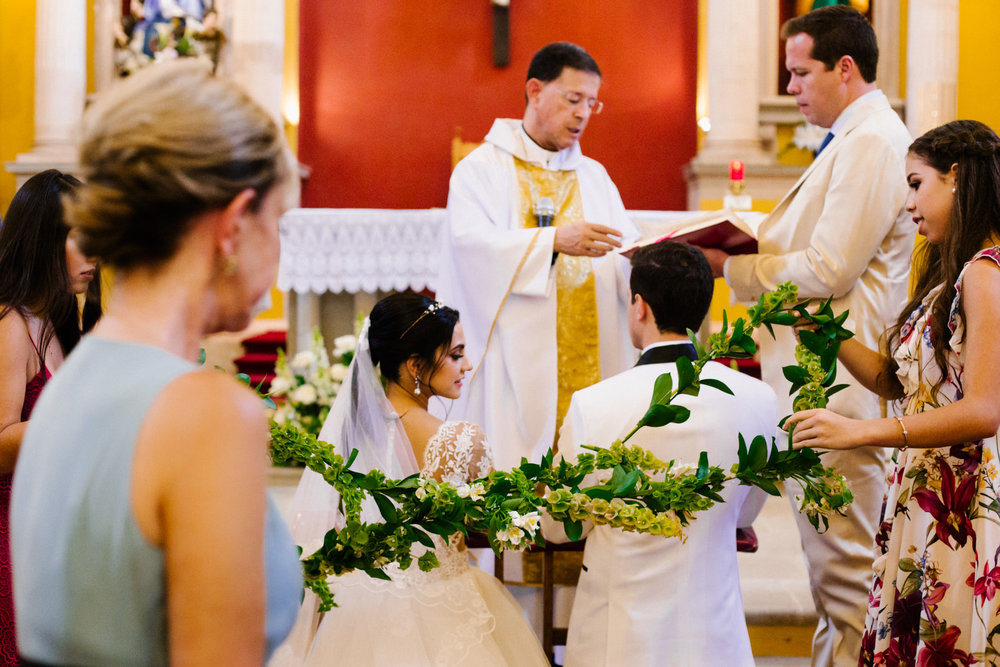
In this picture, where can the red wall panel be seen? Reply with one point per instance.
(384, 83)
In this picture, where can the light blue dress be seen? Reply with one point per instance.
(89, 589)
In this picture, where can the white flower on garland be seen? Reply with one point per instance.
(304, 388)
(529, 522)
(521, 532)
(681, 469)
(473, 491)
(510, 537)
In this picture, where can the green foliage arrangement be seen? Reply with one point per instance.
(635, 491)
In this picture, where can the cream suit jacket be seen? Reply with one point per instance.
(649, 600)
(840, 231)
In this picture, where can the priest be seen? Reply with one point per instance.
(528, 261)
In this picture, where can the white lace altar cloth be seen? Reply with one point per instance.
(359, 250)
(369, 250)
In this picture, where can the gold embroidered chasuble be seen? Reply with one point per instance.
(577, 335)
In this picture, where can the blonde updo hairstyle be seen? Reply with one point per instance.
(167, 144)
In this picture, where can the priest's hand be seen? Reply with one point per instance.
(716, 259)
(587, 239)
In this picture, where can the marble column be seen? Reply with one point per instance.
(257, 53)
(106, 14)
(60, 86)
(733, 61)
(932, 64)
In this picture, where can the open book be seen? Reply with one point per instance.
(722, 229)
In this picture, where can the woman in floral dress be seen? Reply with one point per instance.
(937, 568)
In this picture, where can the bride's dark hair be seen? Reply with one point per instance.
(407, 324)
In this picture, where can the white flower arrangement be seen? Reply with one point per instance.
(806, 137)
(304, 388)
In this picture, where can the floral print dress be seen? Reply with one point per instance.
(937, 569)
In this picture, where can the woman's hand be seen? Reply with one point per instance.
(823, 429)
(803, 324)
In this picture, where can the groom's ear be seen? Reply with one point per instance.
(642, 311)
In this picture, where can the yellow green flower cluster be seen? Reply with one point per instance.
(563, 504)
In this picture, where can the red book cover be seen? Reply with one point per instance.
(722, 229)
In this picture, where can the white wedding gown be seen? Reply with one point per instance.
(455, 614)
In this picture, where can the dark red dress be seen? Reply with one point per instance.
(8, 636)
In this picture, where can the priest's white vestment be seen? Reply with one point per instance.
(512, 393)
(650, 600)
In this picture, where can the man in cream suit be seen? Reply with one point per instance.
(644, 599)
(840, 231)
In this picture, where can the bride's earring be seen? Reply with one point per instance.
(416, 385)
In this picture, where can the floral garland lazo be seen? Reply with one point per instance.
(506, 505)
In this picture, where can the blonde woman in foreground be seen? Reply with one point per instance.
(141, 531)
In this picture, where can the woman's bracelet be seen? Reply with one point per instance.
(902, 427)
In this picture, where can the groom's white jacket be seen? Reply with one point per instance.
(650, 600)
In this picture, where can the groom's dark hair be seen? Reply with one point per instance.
(676, 281)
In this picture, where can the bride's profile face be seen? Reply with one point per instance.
(449, 371)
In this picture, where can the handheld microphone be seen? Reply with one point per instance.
(545, 210)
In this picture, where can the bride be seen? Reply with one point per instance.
(455, 614)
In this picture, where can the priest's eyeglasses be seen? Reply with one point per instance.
(576, 99)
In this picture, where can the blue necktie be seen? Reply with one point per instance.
(827, 139)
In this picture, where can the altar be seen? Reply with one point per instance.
(336, 263)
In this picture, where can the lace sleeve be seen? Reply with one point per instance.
(458, 453)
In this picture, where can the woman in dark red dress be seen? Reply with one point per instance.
(41, 272)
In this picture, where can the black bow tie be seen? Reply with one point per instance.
(664, 354)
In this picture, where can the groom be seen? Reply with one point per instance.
(645, 599)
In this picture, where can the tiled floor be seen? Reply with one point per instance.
(774, 580)
(779, 607)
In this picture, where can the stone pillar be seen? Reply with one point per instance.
(60, 86)
(932, 64)
(257, 50)
(733, 62)
(106, 14)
